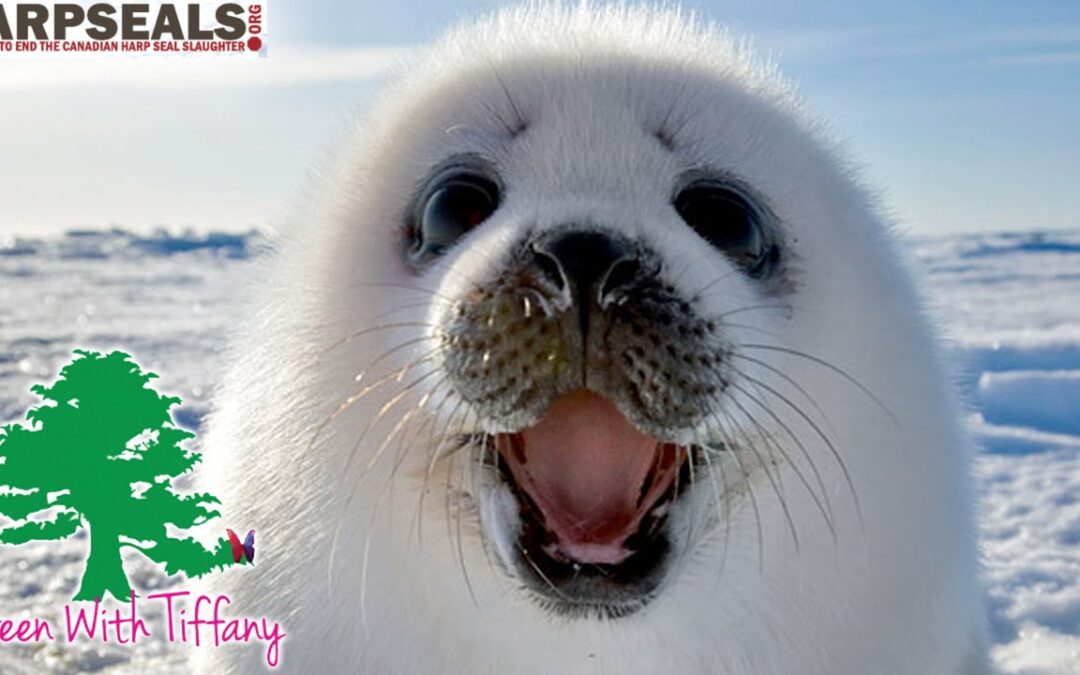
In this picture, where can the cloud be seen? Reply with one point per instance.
(284, 66)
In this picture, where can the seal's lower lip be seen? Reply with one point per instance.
(591, 475)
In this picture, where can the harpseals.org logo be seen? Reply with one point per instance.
(161, 27)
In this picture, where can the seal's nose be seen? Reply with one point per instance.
(593, 264)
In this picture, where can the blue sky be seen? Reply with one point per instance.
(966, 115)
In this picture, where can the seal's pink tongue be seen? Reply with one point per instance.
(591, 473)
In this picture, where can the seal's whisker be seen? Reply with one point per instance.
(718, 400)
(750, 308)
(662, 130)
(488, 443)
(375, 329)
(520, 122)
(713, 426)
(820, 499)
(825, 364)
(348, 467)
(352, 495)
(687, 118)
(396, 375)
(690, 465)
(726, 428)
(404, 345)
(407, 287)
(678, 277)
(440, 439)
(790, 380)
(754, 329)
(383, 493)
(725, 506)
(365, 560)
(387, 407)
(765, 465)
(821, 434)
(692, 454)
(422, 433)
(825, 503)
(459, 516)
(750, 494)
(439, 443)
(378, 317)
(705, 289)
(405, 417)
(455, 541)
(536, 568)
(678, 475)
(471, 280)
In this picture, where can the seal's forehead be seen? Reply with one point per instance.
(585, 61)
(615, 123)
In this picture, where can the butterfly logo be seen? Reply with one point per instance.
(244, 550)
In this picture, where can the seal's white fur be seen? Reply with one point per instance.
(893, 592)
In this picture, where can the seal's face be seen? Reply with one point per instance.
(593, 376)
(584, 328)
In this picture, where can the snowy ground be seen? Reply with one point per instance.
(1013, 303)
(1013, 309)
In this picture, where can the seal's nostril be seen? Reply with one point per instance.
(549, 266)
(621, 276)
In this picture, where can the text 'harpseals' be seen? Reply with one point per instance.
(193, 28)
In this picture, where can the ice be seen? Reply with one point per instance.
(1042, 399)
(1009, 305)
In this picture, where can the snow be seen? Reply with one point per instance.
(1010, 306)
(1012, 309)
(1043, 399)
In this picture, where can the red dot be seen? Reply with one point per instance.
(254, 44)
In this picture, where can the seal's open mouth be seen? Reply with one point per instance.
(593, 492)
(591, 476)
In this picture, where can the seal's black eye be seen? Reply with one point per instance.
(449, 208)
(728, 221)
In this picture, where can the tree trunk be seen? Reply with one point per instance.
(104, 569)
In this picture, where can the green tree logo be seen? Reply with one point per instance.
(101, 452)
